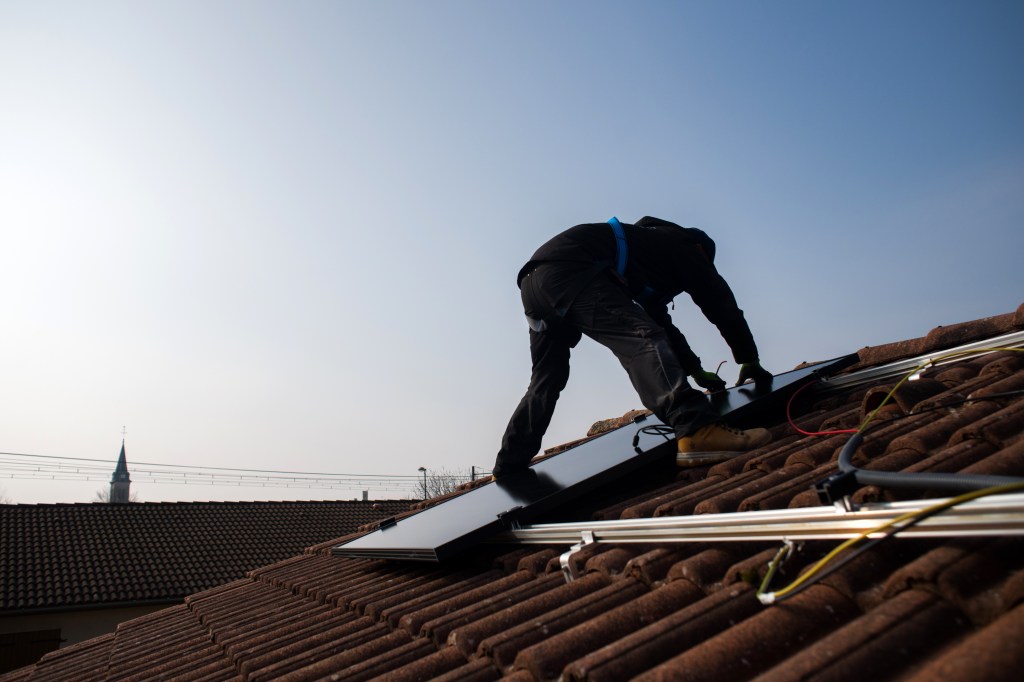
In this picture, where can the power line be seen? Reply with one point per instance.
(25, 466)
(199, 466)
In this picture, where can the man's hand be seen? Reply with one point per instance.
(753, 371)
(708, 380)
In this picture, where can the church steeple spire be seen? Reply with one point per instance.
(120, 482)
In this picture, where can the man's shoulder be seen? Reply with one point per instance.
(673, 234)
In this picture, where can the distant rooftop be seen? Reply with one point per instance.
(77, 555)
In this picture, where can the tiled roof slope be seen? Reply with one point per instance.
(77, 555)
(913, 610)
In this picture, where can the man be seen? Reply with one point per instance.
(613, 282)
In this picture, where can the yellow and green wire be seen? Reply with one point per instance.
(890, 528)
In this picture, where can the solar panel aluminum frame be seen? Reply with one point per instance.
(452, 526)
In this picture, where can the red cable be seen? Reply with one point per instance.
(810, 433)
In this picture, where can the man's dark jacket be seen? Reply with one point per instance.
(664, 260)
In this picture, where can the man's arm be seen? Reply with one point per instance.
(712, 294)
(687, 358)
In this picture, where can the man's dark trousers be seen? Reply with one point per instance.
(604, 312)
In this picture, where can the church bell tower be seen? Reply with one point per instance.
(120, 482)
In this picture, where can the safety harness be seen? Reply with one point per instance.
(621, 248)
(622, 257)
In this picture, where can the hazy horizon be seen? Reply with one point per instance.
(285, 236)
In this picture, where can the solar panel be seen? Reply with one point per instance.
(441, 531)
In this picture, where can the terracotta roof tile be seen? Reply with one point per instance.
(321, 653)
(427, 608)
(732, 499)
(969, 574)
(1000, 428)
(440, 629)
(468, 637)
(84, 662)
(353, 654)
(790, 481)
(653, 567)
(653, 611)
(547, 658)
(503, 647)
(1005, 462)
(446, 596)
(896, 635)
(992, 653)
(689, 497)
(389, 659)
(759, 642)
(479, 670)
(432, 665)
(614, 560)
(666, 637)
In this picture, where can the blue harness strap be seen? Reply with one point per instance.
(622, 256)
(621, 250)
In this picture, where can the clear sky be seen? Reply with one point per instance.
(284, 235)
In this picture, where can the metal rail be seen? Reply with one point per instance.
(901, 367)
(989, 516)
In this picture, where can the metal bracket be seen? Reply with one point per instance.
(510, 518)
(568, 569)
(836, 490)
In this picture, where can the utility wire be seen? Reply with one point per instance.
(25, 466)
(199, 466)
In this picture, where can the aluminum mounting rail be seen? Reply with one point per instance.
(901, 367)
(988, 516)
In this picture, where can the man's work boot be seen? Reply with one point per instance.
(717, 442)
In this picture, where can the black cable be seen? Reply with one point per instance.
(915, 480)
(666, 432)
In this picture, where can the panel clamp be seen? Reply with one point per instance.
(510, 517)
(568, 569)
(836, 490)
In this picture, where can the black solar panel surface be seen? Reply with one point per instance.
(447, 528)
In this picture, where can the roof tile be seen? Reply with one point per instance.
(447, 662)
(547, 658)
(479, 670)
(172, 549)
(503, 647)
(322, 648)
(761, 641)
(440, 629)
(351, 655)
(896, 635)
(992, 653)
(666, 637)
(468, 637)
(463, 595)
(388, 660)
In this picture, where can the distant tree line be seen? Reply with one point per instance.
(443, 481)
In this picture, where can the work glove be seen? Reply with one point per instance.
(708, 380)
(753, 370)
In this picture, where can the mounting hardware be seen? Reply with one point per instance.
(568, 569)
(836, 489)
(510, 518)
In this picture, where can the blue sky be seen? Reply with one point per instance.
(285, 235)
